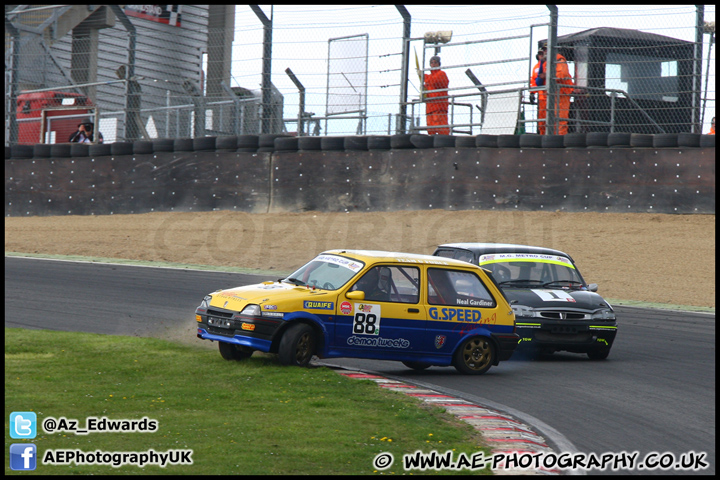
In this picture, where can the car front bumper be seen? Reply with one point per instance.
(572, 336)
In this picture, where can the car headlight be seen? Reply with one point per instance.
(604, 314)
(206, 301)
(523, 311)
(251, 311)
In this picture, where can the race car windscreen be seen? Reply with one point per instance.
(534, 268)
(328, 272)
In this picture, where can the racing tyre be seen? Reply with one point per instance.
(286, 144)
(79, 150)
(641, 140)
(707, 141)
(598, 354)
(230, 351)
(400, 140)
(204, 143)
(422, 141)
(618, 139)
(332, 143)
(663, 140)
(142, 147)
(688, 139)
(358, 142)
(99, 150)
(575, 140)
(226, 143)
(597, 139)
(62, 150)
(21, 151)
(163, 145)
(297, 345)
(475, 356)
(553, 141)
(530, 140)
(416, 365)
(247, 141)
(508, 141)
(378, 142)
(41, 150)
(465, 142)
(484, 140)
(309, 143)
(440, 141)
(182, 145)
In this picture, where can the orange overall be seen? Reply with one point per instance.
(437, 108)
(562, 104)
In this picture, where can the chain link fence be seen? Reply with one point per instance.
(190, 71)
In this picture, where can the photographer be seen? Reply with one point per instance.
(85, 133)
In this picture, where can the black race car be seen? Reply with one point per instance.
(554, 308)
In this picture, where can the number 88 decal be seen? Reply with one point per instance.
(366, 324)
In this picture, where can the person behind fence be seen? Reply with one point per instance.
(436, 106)
(562, 77)
(712, 127)
(85, 133)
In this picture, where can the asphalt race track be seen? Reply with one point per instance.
(655, 392)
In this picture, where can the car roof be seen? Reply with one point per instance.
(374, 256)
(485, 248)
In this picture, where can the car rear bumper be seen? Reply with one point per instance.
(507, 343)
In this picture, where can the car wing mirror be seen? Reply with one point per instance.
(356, 295)
(593, 287)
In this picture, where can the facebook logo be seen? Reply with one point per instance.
(23, 456)
(23, 425)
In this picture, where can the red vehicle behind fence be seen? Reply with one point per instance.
(61, 111)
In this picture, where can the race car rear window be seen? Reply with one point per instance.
(457, 288)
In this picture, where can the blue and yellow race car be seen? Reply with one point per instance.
(417, 309)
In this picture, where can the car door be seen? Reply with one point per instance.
(388, 322)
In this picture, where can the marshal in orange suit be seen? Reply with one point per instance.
(436, 106)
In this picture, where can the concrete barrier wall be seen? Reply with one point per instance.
(661, 180)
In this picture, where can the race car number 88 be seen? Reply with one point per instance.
(365, 323)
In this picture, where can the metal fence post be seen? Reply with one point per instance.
(550, 77)
(267, 65)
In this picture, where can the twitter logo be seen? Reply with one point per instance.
(23, 425)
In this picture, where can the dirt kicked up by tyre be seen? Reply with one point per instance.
(420, 310)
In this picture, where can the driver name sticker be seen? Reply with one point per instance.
(367, 319)
(554, 295)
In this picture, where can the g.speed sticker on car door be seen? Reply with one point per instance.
(367, 319)
(554, 295)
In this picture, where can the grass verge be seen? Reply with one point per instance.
(249, 417)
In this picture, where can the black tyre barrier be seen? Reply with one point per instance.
(444, 141)
(8, 152)
(121, 148)
(355, 143)
(332, 143)
(268, 139)
(286, 144)
(247, 141)
(183, 145)
(422, 141)
(465, 142)
(707, 141)
(100, 150)
(641, 140)
(378, 142)
(596, 139)
(41, 150)
(618, 139)
(248, 150)
(689, 139)
(530, 140)
(484, 140)
(61, 150)
(401, 140)
(204, 143)
(142, 147)
(21, 151)
(79, 149)
(575, 140)
(226, 143)
(663, 140)
(265, 149)
(309, 143)
(163, 145)
(553, 141)
(508, 141)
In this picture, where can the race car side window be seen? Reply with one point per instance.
(460, 288)
(390, 284)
